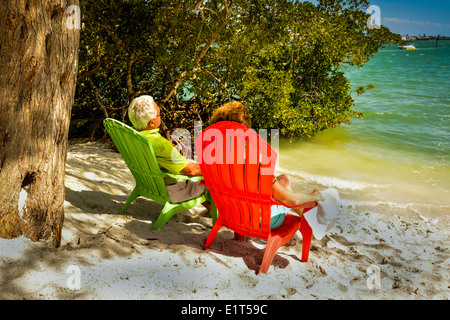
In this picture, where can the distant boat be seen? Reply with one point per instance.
(407, 47)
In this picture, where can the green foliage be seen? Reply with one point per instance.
(285, 60)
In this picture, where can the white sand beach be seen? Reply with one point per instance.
(120, 257)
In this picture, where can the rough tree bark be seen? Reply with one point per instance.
(38, 63)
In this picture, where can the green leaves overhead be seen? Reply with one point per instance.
(283, 59)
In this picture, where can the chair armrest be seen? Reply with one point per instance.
(182, 176)
(306, 205)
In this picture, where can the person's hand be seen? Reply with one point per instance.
(317, 195)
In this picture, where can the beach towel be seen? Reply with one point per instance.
(322, 217)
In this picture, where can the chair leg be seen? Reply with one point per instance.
(168, 212)
(306, 232)
(213, 234)
(273, 244)
(130, 199)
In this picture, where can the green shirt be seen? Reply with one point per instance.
(166, 154)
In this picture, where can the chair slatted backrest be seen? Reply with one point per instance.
(138, 154)
(237, 166)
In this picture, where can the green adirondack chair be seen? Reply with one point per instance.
(138, 154)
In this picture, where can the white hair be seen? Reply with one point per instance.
(141, 111)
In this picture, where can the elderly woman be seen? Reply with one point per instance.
(145, 116)
(281, 188)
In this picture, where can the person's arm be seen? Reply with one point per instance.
(171, 159)
(293, 199)
(191, 170)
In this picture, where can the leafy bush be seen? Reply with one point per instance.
(285, 60)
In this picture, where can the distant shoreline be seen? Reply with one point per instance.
(427, 38)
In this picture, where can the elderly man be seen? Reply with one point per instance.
(145, 116)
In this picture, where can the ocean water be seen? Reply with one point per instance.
(397, 159)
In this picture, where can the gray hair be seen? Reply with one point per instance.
(141, 111)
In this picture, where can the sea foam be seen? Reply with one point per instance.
(333, 182)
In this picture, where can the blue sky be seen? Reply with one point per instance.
(415, 17)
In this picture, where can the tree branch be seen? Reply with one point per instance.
(218, 81)
(97, 98)
(130, 61)
(197, 59)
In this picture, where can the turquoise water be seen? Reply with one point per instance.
(410, 107)
(395, 160)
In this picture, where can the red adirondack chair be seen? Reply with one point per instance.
(238, 167)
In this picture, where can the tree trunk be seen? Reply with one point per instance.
(38, 63)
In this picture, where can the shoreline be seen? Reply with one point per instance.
(120, 257)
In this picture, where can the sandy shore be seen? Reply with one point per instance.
(119, 256)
